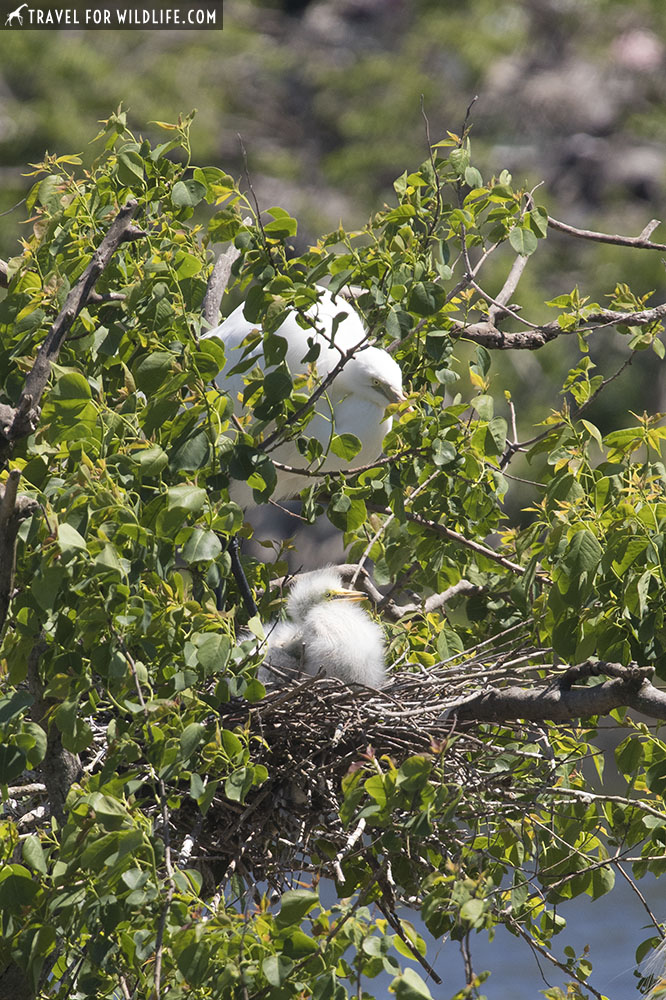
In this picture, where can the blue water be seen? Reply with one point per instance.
(612, 926)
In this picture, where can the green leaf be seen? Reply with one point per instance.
(70, 541)
(583, 552)
(185, 497)
(327, 988)
(186, 265)
(153, 371)
(278, 384)
(345, 445)
(72, 390)
(238, 784)
(108, 559)
(473, 177)
(224, 225)
(276, 969)
(410, 986)
(232, 745)
(593, 431)
(375, 786)
(633, 549)
(33, 854)
(629, 756)
(201, 546)
(18, 888)
(13, 705)
(298, 944)
(33, 743)
(213, 650)
(282, 227)
(496, 436)
(12, 763)
(426, 298)
(151, 460)
(413, 774)
(190, 738)
(294, 905)
(130, 167)
(187, 194)
(473, 912)
(523, 241)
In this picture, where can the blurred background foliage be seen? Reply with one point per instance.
(327, 96)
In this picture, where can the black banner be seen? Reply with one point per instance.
(33, 15)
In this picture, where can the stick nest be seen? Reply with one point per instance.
(313, 732)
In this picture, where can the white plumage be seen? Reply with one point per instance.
(354, 403)
(325, 634)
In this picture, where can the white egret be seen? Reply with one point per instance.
(655, 965)
(354, 403)
(325, 633)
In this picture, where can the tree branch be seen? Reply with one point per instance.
(60, 768)
(452, 536)
(638, 242)
(509, 287)
(26, 417)
(488, 335)
(629, 688)
(396, 611)
(217, 285)
(13, 510)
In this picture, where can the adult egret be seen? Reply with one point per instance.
(354, 403)
(325, 633)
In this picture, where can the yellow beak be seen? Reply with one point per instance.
(348, 595)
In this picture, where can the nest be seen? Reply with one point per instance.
(313, 732)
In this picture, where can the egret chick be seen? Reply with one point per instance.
(354, 403)
(325, 633)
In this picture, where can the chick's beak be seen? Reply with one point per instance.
(348, 595)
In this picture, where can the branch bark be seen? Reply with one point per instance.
(488, 335)
(638, 242)
(393, 610)
(13, 510)
(60, 768)
(560, 702)
(217, 285)
(23, 421)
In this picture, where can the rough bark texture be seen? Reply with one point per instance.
(13, 509)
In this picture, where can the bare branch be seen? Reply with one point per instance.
(555, 704)
(25, 791)
(218, 282)
(488, 335)
(638, 242)
(396, 611)
(510, 285)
